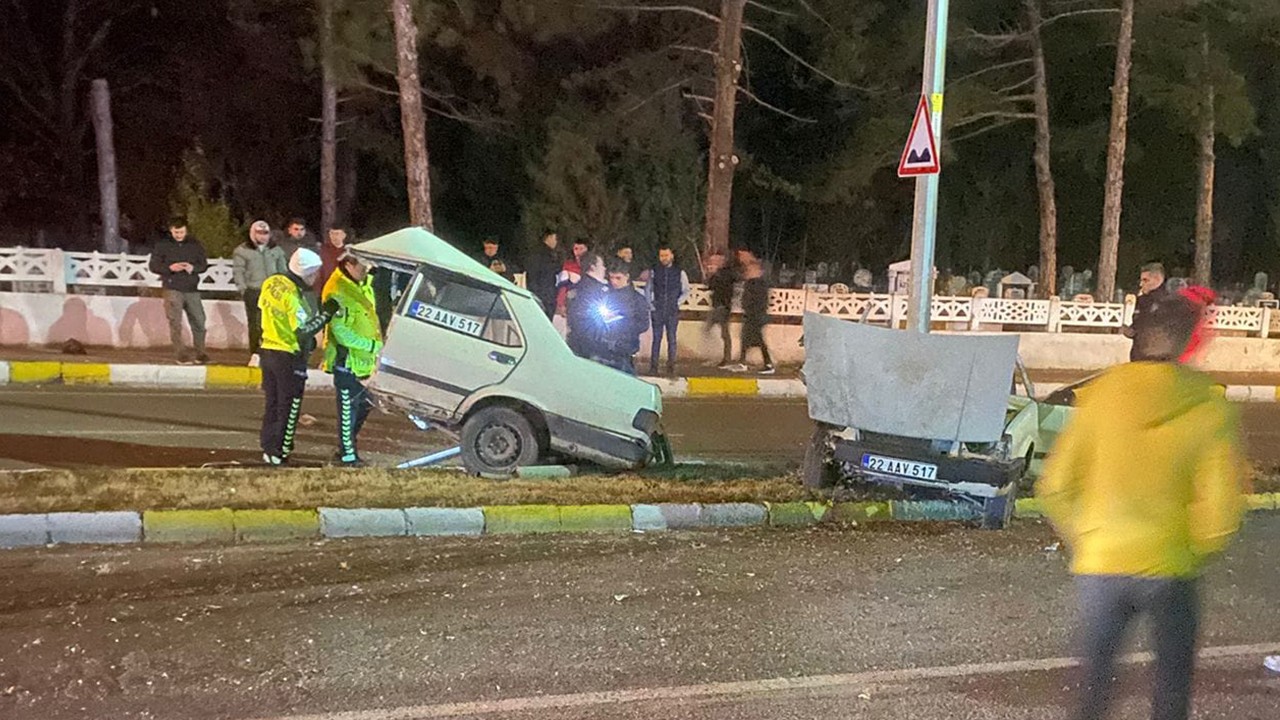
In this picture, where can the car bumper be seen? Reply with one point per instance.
(962, 475)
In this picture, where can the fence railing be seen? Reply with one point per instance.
(55, 271)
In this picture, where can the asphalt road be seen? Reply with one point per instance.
(877, 624)
(72, 427)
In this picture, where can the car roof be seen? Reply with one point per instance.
(415, 246)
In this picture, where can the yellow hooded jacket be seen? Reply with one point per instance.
(1147, 478)
(354, 337)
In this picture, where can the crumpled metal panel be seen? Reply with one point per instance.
(934, 387)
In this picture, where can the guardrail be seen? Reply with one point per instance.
(30, 270)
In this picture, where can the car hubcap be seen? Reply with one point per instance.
(498, 446)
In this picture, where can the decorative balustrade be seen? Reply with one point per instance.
(29, 270)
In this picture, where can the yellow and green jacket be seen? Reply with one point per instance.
(290, 318)
(354, 337)
(1147, 479)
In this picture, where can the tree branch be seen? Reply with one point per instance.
(804, 63)
(998, 41)
(695, 49)
(996, 114)
(809, 8)
(1015, 86)
(1077, 13)
(984, 130)
(655, 94)
(992, 68)
(664, 8)
(770, 9)
(774, 108)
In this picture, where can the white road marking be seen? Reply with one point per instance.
(746, 687)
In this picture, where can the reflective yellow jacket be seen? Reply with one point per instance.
(290, 318)
(354, 337)
(1147, 479)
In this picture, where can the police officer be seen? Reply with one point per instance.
(352, 342)
(290, 321)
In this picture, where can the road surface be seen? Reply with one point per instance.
(74, 427)
(878, 623)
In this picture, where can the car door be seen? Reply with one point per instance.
(451, 336)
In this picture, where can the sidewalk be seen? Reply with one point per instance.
(228, 369)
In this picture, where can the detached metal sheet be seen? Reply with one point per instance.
(935, 387)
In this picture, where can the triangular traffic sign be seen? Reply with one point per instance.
(920, 156)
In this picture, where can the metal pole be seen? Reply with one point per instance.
(925, 228)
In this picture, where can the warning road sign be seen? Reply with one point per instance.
(920, 156)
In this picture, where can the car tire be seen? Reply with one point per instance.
(497, 441)
(817, 472)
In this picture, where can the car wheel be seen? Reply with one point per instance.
(817, 472)
(497, 441)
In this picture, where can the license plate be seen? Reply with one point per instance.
(904, 468)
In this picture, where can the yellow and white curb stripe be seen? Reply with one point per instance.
(232, 526)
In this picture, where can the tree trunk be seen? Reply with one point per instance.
(1042, 155)
(328, 123)
(1204, 206)
(1116, 147)
(108, 198)
(413, 120)
(723, 160)
(348, 184)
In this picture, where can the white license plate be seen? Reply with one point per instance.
(904, 468)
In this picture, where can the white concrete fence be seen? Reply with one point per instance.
(54, 271)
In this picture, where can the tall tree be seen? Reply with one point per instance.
(328, 120)
(723, 159)
(1117, 144)
(108, 193)
(413, 121)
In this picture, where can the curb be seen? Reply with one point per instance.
(155, 527)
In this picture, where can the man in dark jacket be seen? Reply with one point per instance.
(1152, 290)
(585, 303)
(665, 288)
(720, 280)
(755, 312)
(179, 261)
(626, 317)
(491, 257)
(543, 266)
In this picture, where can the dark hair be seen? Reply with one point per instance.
(618, 267)
(1166, 328)
(489, 241)
(1154, 267)
(585, 243)
(665, 246)
(589, 261)
(295, 221)
(548, 232)
(177, 222)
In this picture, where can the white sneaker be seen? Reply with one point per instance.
(768, 370)
(271, 459)
(739, 368)
(254, 360)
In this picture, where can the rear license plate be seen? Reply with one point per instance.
(904, 468)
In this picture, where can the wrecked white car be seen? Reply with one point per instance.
(476, 356)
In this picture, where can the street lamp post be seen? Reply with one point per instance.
(925, 228)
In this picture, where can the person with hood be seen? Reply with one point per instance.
(586, 326)
(290, 321)
(543, 265)
(252, 262)
(353, 340)
(1145, 486)
(180, 261)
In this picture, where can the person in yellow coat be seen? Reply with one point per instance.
(1145, 485)
(290, 321)
(352, 343)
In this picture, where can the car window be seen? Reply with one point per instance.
(478, 311)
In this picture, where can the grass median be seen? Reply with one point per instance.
(304, 488)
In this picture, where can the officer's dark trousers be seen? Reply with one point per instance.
(1109, 604)
(353, 409)
(284, 380)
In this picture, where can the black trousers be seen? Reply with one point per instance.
(720, 316)
(1109, 604)
(664, 324)
(253, 317)
(284, 380)
(353, 410)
